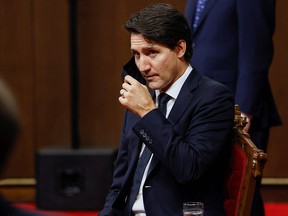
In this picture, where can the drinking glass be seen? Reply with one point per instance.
(193, 209)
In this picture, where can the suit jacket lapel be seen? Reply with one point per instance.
(184, 98)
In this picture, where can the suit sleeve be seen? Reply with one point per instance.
(110, 208)
(191, 146)
(256, 27)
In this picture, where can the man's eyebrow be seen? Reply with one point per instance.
(149, 47)
(144, 48)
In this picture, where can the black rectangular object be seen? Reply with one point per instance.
(69, 179)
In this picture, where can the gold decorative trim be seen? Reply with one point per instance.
(18, 182)
(32, 181)
(275, 181)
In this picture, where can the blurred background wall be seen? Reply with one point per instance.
(36, 62)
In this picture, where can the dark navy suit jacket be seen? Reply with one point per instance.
(190, 148)
(233, 45)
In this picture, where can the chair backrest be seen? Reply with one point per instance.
(246, 165)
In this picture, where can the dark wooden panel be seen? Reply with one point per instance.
(275, 193)
(52, 73)
(99, 72)
(16, 68)
(277, 164)
(18, 194)
(34, 61)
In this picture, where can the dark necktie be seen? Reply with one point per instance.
(163, 98)
(199, 9)
(144, 159)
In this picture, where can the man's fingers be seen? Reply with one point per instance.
(130, 80)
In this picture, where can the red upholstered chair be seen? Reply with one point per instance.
(246, 165)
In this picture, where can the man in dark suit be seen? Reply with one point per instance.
(189, 141)
(232, 44)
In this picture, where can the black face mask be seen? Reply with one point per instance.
(131, 69)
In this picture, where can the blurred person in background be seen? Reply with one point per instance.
(9, 130)
(233, 44)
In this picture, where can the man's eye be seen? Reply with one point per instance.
(153, 53)
(136, 55)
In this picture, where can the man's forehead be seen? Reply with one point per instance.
(138, 41)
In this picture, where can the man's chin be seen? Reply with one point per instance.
(153, 85)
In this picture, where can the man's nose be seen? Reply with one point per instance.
(144, 64)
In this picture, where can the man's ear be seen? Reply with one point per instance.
(181, 48)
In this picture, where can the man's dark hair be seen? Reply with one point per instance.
(163, 24)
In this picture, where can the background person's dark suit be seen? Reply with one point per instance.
(233, 45)
(190, 151)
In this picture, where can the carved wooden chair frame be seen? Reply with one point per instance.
(238, 201)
